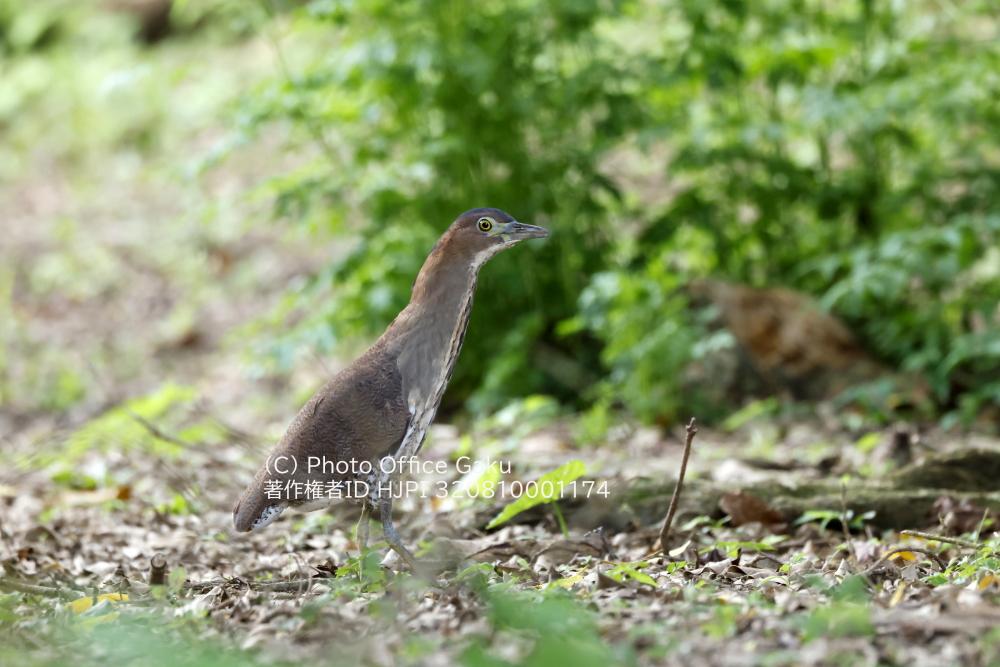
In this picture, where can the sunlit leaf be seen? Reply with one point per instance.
(674, 553)
(549, 488)
(621, 570)
(83, 604)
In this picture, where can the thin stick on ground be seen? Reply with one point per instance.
(982, 523)
(691, 430)
(942, 538)
(45, 591)
(845, 525)
(156, 432)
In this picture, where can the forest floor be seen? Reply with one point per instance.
(133, 413)
(737, 587)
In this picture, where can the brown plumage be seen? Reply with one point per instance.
(383, 403)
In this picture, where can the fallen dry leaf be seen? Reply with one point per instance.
(744, 508)
(964, 516)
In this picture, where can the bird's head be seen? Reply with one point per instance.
(483, 232)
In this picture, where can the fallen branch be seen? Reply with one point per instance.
(203, 585)
(157, 433)
(297, 586)
(44, 591)
(691, 430)
(941, 538)
(844, 524)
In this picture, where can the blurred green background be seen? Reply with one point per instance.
(271, 175)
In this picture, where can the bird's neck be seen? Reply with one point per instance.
(442, 293)
(429, 334)
(442, 281)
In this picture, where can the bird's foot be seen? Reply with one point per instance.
(366, 512)
(394, 541)
(407, 557)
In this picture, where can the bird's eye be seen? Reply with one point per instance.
(485, 224)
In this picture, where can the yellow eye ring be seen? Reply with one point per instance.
(485, 224)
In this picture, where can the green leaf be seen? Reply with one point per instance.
(868, 442)
(756, 409)
(549, 488)
(838, 620)
(621, 569)
(177, 579)
(731, 547)
(936, 580)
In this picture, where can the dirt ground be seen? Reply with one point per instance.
(762, 592)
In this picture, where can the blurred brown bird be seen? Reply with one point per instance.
(343, 442)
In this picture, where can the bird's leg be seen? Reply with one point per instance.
(366, 510)
(392, 537)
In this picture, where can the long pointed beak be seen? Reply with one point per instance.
(519, 231)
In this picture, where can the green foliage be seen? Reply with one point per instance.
(844, 150)
(838, 620)
(847, 151)
(424, 110)
(176, 580)
(648, 332)
(630, 570)
(751, 411)
(724, 624)
(550, 488)
(732, 548)
(520, 417)
(72, 83)
(935, 290)
(973, 567)
(121, 427)
(99, 128)
(557, 632)
(166, 422)
(133, 641)
(847, 615)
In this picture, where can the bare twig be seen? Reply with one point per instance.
(112, 399)
(158, 570)
(691, 430)
(941, 538)
(45, 591)
(308, 584)
(298, 586)
(844, 524)
(208, 585)
(982, 523)
(156, 432)
(233, 433)
(885, 558)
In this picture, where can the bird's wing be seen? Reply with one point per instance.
(359, 416)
